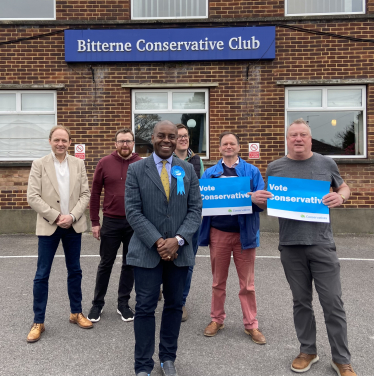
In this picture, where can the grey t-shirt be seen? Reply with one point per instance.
(317, 167)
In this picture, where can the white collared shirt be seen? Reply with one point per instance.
(63, 177)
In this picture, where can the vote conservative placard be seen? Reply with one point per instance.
(226, 196)
(299, 199)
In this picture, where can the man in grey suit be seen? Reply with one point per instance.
(163, 206)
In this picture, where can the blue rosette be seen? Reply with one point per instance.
(178, 173)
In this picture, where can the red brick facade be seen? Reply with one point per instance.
(247, 100)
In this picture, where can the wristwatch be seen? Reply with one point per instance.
(180, 240)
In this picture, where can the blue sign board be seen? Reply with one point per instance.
(226, 197)
(298, 199)
(189, 44)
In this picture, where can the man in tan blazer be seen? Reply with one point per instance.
(58, 191)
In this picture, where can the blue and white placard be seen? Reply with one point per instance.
(226, 196)
(299, 199)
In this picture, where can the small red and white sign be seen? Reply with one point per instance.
(80, 151)
(254, 151)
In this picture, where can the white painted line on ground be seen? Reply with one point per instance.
(203, 256)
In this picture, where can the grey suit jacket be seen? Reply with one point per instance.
(152, 217)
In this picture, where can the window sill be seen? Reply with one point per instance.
(15, 164)
(32, 87)
(353, 161)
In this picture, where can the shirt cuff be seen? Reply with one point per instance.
(72, 216)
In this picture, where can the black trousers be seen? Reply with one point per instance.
(114, 232)
(147, 287)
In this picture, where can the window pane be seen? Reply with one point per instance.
(8, 102)
(144, 124)
(324, 6)
(344, 98)
(24, 137)
(304, 98)
(151, 101)
(334, 132)
(189, 100)
(169, 8)
(24, 9)
(37, 102)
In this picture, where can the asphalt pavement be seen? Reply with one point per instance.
(108, 348)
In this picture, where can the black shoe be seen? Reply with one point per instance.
(127, 314)
(168, 368)
(94, 315)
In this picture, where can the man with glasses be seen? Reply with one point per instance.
(183, 152)
(110, 173)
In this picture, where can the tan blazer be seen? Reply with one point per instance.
(43, 194)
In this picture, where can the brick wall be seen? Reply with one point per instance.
(236, 9)
(247, 100)
(85, 10)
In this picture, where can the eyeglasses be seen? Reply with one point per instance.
(183, 137)
(122, 142)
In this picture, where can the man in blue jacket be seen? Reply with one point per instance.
(233, 234)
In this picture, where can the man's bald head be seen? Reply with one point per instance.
(164, 138)
(164, 122)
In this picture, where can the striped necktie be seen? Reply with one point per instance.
(165, 179)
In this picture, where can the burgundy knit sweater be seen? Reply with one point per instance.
(111, 174)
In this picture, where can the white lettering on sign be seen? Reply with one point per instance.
(239, 44)
(88, 46)
(207, 188)
(142, 45)
(278, 187)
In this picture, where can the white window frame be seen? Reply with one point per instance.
(320, 14)
(327, 109)
(19, 111)
(33, 19)
(170, 110)
(166, 18)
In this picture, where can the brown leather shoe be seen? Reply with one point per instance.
(35, 332)
(256, 335)
(212, 329)
(303, 362)
(80, 320)
(184, 314)
(343, 369)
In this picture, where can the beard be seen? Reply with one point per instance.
(124, 152)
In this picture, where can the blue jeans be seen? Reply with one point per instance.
(147, 288)
(47, 246)
(187, 286)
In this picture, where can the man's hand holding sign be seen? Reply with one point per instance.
(231, 226)
(298, 192)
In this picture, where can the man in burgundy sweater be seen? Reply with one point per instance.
(111, 174)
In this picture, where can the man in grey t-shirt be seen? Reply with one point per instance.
(308, 253)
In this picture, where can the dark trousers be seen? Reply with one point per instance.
(303, 264)
(187, 285)
(47, 246)
(114, 232)
(147, 288)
